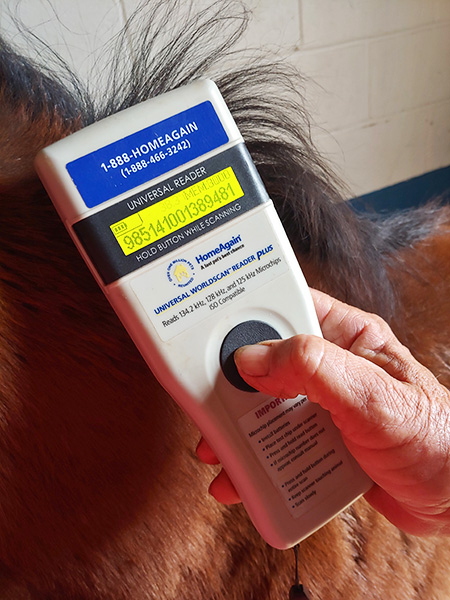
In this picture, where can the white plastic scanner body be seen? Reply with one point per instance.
(166, 207)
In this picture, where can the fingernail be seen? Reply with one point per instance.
(253, 360)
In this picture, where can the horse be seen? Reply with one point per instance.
(102, 496)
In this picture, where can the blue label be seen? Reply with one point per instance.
(142, 156)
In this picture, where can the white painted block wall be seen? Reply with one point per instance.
(384, 66)
(379, 81)
(379, 72)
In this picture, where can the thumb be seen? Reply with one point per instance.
(359, 394)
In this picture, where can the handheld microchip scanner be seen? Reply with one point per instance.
(167, 209)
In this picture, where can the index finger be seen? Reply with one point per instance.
(340, 323)
(365, 335)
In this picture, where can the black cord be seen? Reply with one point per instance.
(296, 592)
(296, 549)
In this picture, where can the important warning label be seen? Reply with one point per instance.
(297, 445)
(204, 278)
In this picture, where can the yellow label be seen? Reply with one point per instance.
(179, 210)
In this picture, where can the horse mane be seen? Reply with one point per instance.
(175, 46)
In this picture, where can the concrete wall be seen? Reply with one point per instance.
(379, 87)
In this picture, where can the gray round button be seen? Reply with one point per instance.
(248, 332)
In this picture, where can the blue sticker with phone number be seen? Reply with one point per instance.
(146, 154)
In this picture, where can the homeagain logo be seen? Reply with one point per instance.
(221, 248)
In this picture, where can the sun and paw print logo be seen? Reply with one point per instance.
(180, 272)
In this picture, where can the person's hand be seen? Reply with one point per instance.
(393, 414)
